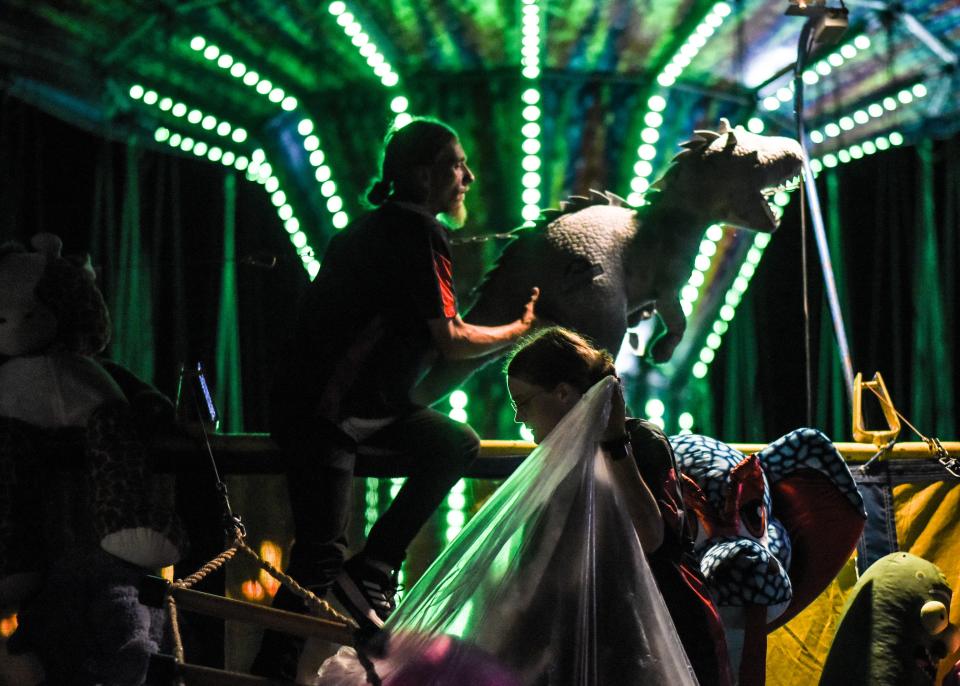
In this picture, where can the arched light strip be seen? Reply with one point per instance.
(361, 40)
(732, 299)
(257, 169)
(311, 143)
(873, 111)
(375, 59)
(784, 94)
(653, 118)
(531, 109)
(192, 115)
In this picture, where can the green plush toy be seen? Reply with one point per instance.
(68, 429)
(895, 629)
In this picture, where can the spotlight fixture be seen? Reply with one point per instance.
(830, 22)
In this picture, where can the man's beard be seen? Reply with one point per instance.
(456, 217)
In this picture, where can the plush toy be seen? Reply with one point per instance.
(895, 629)
(760, 522)
(74, 474)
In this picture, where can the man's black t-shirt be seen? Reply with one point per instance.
(362, 339)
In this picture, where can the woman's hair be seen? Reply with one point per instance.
(554, 355)
(415, 144)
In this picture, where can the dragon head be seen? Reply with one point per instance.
(731, 172)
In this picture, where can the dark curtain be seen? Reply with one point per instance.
(891, 221)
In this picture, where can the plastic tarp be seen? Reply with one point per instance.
(547, 584)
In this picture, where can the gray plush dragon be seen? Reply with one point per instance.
(602, 267)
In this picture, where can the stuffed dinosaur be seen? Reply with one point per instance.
(76, 486)
(602, 267)
(759, 523)
(895, 629)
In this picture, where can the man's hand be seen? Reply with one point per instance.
(529, 310)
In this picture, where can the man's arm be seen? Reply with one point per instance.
(458, 340)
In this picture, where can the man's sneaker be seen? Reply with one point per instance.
(367, 591)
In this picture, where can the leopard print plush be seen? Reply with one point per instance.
(120, 479)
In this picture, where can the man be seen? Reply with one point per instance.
(382, 306)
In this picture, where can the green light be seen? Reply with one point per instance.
(186, 144)
(707, 355)
(525, 433)
(322, 174)
(896, 138)
(531, 73)
(334, 204)
(136, 91)
(150, 97)
(328, 188)
(869, 148)
(340, 220)
(531, 146)
(701, 262)
(305, 127)
(726, 313)
(882, 144)
(399, 104)
(200, 149)
(292, 225)
(762, 240)
(829, 161)
(639, 184)
(714, 232)
(238, 69)
(713, 341)
(251, 78)
(402, 120)
(195, 116)
(919, 90)
(278, 198)
(313, 268)
(272, 184)
(285, 212)
(654, 408)
(239, 135)
(531, 196)
(905, 96)
(848, 51)
(368, 49)
(843, 156)
(856, 152)
(646, 152)
(754, 255)
(223, 128)
(211, 52)
(276, 95)
(264, 87)
(689, 293)
(755, 125)
(696, 278)
(198, 43)
(241, 163)
(862, 42)
(165, 104)
(214, 154)
(656, 103)
(781, 199)
(889, 103)
(643, 168)
(720, 327)
(531, 113)
(699, 370)
(179, 110)
(161, 134)
(685, 420)
(460, 415)
(531, 96)
(289, 103)
(209, 122)
(708, 248)
(390, 79)
(531, 180)
(175, 139)
(225, 61)
(530, 213)
(531, 130)
(299, 239)
(531, 163)
(311, 143)
(337, 8)
(650, 135)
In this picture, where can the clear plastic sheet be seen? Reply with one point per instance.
(546, 585)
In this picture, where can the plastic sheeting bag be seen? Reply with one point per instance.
(546, 585)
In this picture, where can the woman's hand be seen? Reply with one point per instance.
(617, 425)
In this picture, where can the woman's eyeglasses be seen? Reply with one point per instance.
(518, 404)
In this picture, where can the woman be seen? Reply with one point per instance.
(547, 375)
(549, 582)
